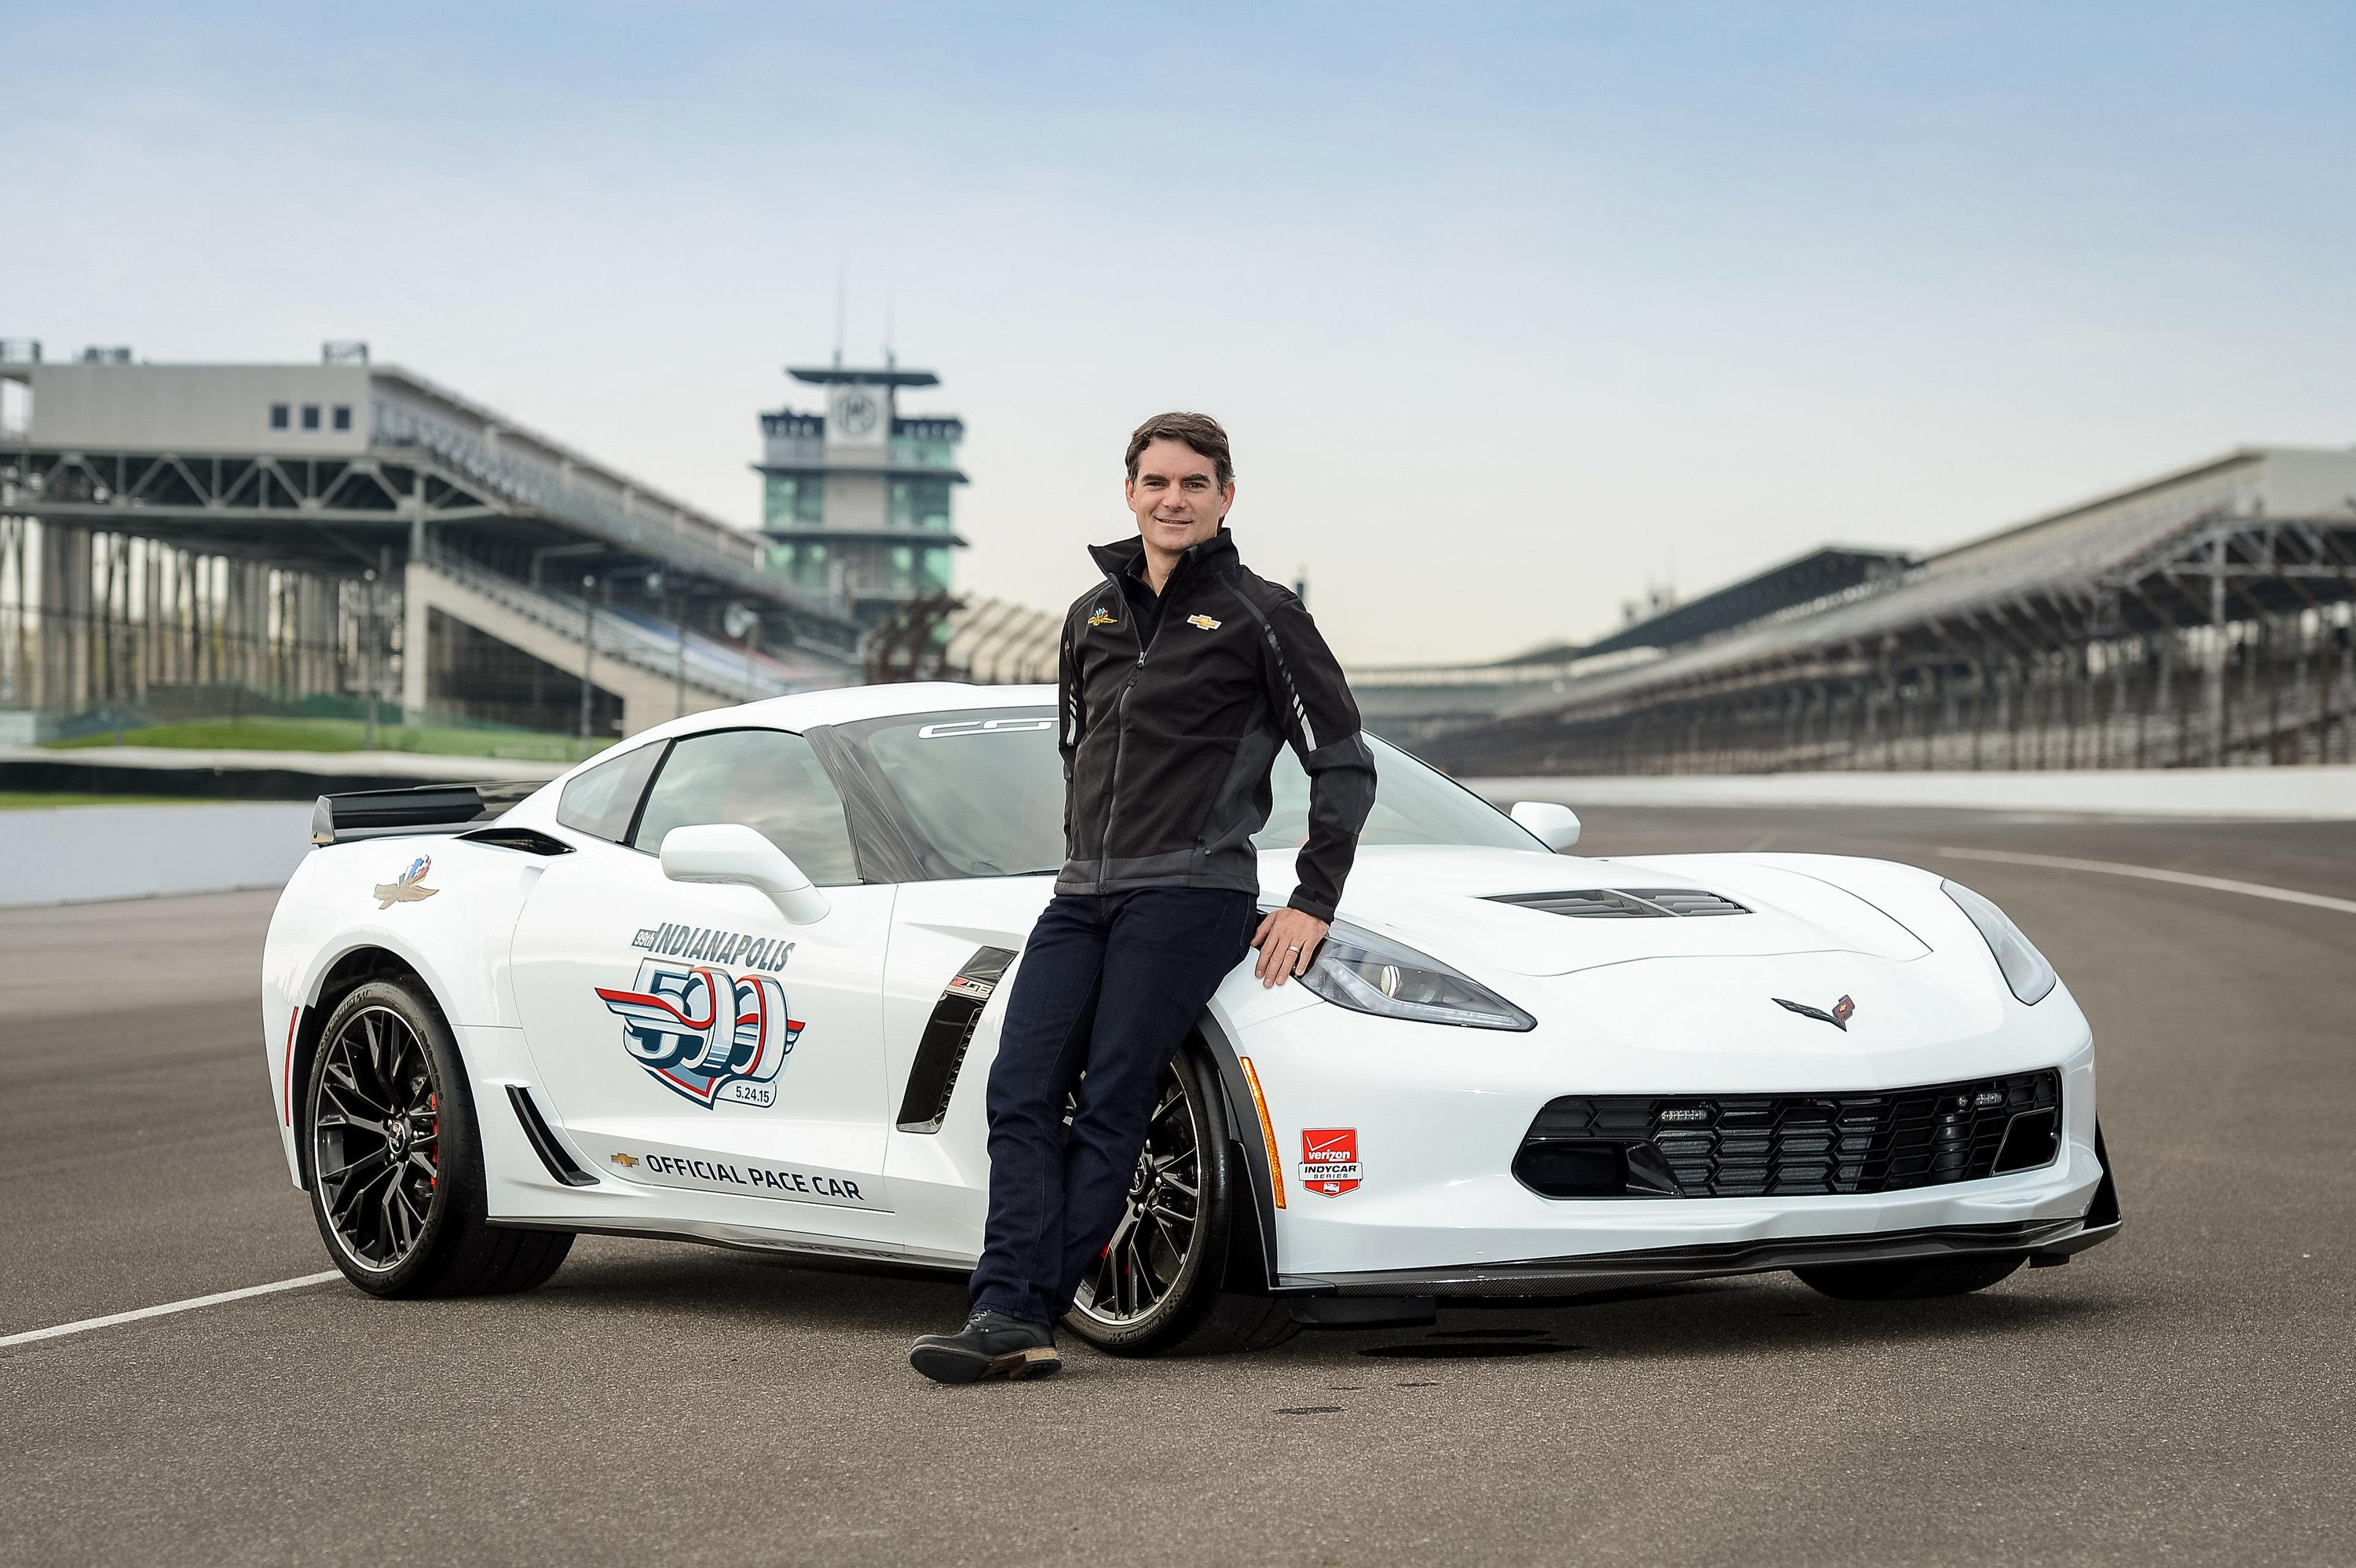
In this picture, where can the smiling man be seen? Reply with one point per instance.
(1182, 673)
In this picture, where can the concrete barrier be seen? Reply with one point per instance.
(2316, 794)
(81, 853)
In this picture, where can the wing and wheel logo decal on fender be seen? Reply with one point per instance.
(409, 887)
(1843, 1011)
(704, 1033)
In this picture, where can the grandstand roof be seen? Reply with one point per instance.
(1804, 578)
(2057, 557)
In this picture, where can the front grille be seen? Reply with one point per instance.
(1625, 903)
(1685, 1147)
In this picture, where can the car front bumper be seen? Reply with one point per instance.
(1435, 1115)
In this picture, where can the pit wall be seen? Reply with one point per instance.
(84, 853)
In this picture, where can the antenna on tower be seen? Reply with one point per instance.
(841, 284)
(891, 360)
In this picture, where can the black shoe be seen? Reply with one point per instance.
(988, 1344)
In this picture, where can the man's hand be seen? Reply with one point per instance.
(1287, 940)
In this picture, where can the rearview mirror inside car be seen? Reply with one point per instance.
(1556, 825)
(732, 852)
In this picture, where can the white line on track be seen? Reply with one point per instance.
(87, 1324)
(2155, 874)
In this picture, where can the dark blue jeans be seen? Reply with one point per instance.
(1109, 985)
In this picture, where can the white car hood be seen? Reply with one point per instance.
(1442, 901)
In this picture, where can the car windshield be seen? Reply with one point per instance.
(984, 790)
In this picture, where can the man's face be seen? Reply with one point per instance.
(1176, 495)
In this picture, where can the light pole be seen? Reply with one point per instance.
(588, 653)
(369, 630)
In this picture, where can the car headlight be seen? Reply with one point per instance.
(1368, 974)
(2025, 968)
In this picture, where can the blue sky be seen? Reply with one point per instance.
(1510, 309)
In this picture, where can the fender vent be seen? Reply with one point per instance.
(543, 1142)
(940, 1053)
(531, 840)
(1630, 904)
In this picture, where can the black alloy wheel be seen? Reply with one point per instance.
(376, 1138)
(1146, 1259)
(1156, 1287)
(392, 1155)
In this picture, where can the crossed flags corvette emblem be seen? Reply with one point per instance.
(1843, 1011)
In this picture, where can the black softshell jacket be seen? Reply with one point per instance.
(1167, 744)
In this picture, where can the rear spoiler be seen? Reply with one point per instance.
(427, 809)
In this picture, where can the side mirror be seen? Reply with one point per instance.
(732, 852)
(1556, 825)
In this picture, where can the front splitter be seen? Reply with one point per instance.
(2050, 1239)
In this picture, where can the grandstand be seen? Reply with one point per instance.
(2203, 618)
(356, 530)
(1409, 704)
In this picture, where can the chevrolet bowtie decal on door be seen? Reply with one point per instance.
(704, 1033)
(1838, 1018)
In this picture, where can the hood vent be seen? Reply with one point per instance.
(1625, 903)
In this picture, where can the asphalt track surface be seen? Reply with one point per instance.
(2182, 1395)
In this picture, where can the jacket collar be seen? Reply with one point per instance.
(1123, 557)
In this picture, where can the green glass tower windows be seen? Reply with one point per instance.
(792, 499)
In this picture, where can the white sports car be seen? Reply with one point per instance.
(738, 980)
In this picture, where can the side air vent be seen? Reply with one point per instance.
(1628, 903)
(940, 1051)
(531, 840)
(543, 1142)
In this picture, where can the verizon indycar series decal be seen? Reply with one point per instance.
(704, 1033)
(1329, 1160)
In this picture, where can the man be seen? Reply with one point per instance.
(1181, 674)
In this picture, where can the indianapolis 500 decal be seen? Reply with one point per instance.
(704, 1033)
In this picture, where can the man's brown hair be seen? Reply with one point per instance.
(1200, 432)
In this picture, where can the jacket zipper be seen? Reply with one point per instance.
(1120, 707)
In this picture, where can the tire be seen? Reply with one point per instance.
(393, 1159)
(1156, 1291)
(1914, 1280)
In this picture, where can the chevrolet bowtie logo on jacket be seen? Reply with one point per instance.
(1167, 744)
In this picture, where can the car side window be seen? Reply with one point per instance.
(766, 779)
(600, 801)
